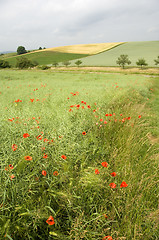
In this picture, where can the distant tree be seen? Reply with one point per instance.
(78, 62)
(55, 64)
(40, 48)
(24, 63)
(21, 50)
(123, 60)
(157, 61)
(4, 64)
(44, 47)
(141, 62)
(66, 63)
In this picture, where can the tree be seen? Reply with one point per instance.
(21, 50)
(40, 48)
(123, 60)
(66, 63)
(23, 63)
(157, 61)
(4, 64)
(55, 64)
(78, 62)
(141, 62)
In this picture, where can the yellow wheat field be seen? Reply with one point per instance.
(85, 48)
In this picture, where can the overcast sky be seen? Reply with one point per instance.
(53, 23)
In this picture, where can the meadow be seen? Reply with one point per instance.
(79, 155)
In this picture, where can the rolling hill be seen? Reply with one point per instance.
(149, 50)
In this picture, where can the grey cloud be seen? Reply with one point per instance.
(63, 22)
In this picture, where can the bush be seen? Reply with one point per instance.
(44, 67)
(24, 63)
(4, 64)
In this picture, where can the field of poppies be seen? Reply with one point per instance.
(78, 155)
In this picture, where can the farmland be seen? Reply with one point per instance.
(135, 50)
(103, 54)
(79, 155)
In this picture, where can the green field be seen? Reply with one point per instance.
(135, 50)
(45, 57)
(96, 136)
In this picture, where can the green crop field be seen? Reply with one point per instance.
(135, 50)
(45, 57)
(78, 156)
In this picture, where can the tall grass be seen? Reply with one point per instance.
(82, 203)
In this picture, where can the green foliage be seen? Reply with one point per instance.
(21, 50)
(123, 60)
(141, 62)
(82, 203)
(4, 64)
(156, 61)
(78, 62)
(66, 63)
(55, 64)
(44, 67)
(24, 63)
(40, 48)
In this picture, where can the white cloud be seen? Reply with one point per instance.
(63, 22)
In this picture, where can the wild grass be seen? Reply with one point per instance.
(81, 202)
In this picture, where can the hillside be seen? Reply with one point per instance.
(148, 50)
(89, 49)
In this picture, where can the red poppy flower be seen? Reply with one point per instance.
(113, 174)
(32, 100)
(14, 147)
(10, 166)
(129, 118)
(108, 238)
(107, 115)
(12, 176)
(55, 173)
(28, 158)
(88, 106)
(84, 133)
(123, 184)
(96, 171)
(101, 120)
(104, 164)
(44, 172)
(112, 185)
(45, 156)
(46, 140)
(105, 122)
(139, 116)
(39, 137)
(50, 220)
(25, 135)
(64, 157)
(70, 110)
